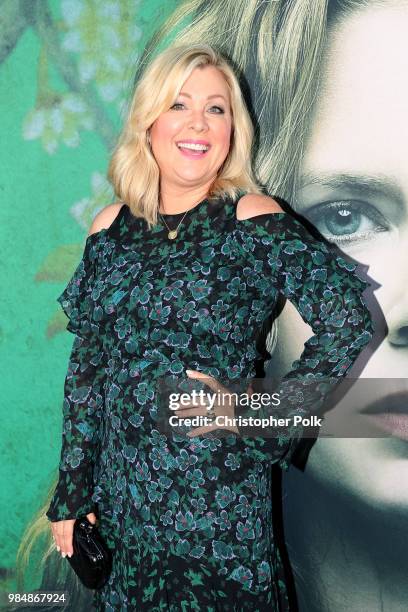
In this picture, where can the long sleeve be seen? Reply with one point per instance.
(327, 292)
(83, 399)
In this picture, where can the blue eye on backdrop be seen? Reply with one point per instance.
(347, 220)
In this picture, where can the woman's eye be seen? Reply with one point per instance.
(347, 221)
(219, 109)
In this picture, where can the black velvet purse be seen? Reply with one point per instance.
(92, 559)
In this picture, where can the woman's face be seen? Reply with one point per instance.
(355, 191)
(191, 140)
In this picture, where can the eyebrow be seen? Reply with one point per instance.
(208, 98)
(363, 184)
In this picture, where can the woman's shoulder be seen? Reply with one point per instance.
(254, 204)
(262, 219)
(105, 217)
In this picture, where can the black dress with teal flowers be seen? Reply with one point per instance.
(189, 519)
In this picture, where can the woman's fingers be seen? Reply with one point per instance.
(185, 413)
(223, 392)
(208, 380)
(62, 532)
(200, 431)
(202, 403)
(91, 518)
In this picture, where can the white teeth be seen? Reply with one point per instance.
(193, 146)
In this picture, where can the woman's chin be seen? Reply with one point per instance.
(373, 470)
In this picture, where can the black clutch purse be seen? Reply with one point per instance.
(92, 559)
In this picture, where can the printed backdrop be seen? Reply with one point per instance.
(326, 83)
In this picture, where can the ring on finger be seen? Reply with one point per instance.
(211, 412)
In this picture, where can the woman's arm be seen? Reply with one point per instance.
(83, 393)
(83, 405)
(326, 291)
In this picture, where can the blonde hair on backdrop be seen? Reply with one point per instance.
(133, 170)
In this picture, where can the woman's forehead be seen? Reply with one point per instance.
(363, 93)
(205, 78)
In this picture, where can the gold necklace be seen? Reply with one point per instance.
(172, 234)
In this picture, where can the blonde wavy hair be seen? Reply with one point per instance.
(133, 170)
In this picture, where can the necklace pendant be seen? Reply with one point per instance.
(172, 234)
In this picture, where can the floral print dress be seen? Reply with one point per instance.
(189, 519)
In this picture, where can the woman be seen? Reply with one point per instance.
(181, 278)
(331, 112)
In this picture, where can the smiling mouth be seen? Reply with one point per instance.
(390, 414)
(193, 149)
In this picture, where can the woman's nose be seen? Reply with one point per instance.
(397, 319)
(198, 121)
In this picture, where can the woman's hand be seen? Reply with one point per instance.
(63, 532)
(226, 409)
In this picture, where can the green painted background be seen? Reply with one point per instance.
(66, 67)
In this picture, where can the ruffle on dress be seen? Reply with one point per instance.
(78, 298)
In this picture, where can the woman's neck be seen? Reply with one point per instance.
(345, 554)
(175, 200)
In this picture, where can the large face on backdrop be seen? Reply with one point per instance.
(191, 140)
(355, 191)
